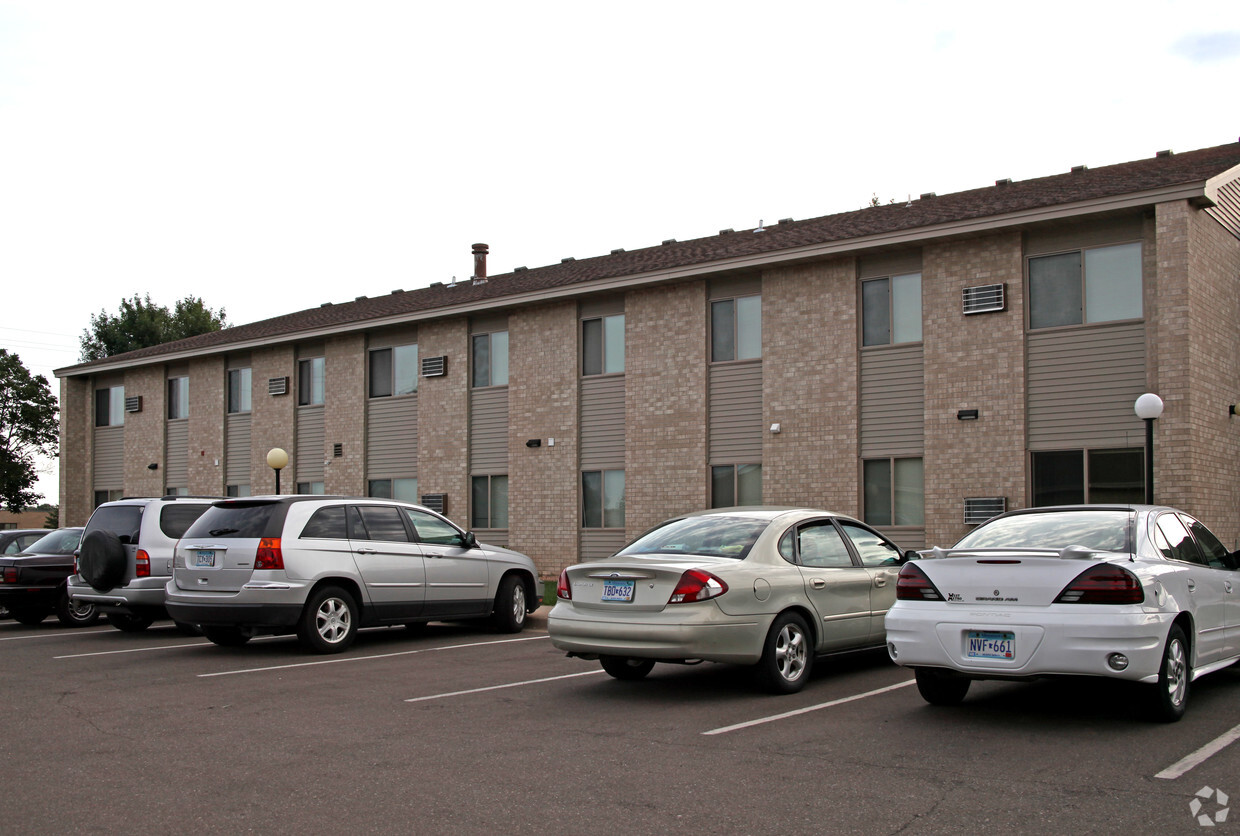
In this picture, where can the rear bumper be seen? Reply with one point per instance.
(694, 632)
(141, 595)
(261, 616)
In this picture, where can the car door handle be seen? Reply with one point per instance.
(880, 581)
(366, 551)
(1192, 585)
(818, 583)
(1227, 586)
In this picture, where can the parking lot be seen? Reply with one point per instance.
(459, 730)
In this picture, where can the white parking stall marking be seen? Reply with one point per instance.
(131, 650)
(59, 635)
(761, 720)
(1206, 752)
(501, 687)
(365, 658)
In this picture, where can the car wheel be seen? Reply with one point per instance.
(509, 613)
(941, 688)
(788, 655)
(626, 667)
(101, 560)
(127, 623)
(329, 621)
(29, 614)
(1169, 698)
(228, 636)
(75, 613)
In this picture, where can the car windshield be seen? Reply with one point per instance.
(1102, 530)
(63, 541)
(713, 536)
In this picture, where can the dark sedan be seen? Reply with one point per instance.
(32, 583)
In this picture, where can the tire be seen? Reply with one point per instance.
(101, 560)
(509, 613)
(228, 636)
(72, 613)
(29, 614)
(626, 667)
(1168, 700)
(128, 623)
(941, 688)
(787, 656)
(329, 622)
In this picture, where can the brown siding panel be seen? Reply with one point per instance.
(602, 423)
(735, 413)
(176, 466)
(237, 449)
(311, 436)
(488, 431)
(392, 438)
(598, 543)
(109, 449)
(893, 402)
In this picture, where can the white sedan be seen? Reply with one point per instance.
(1140, 593)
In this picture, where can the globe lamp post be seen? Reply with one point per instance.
(1148, 407)
(277, 460)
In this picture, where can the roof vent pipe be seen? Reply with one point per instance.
(480, 263)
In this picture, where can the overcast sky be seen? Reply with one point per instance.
(271, 156)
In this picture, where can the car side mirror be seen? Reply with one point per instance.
(911, 554)
(469, 541)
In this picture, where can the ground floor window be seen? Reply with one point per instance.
(177, 491)
(405, 490)
(237, 490)
(107, 496)
(1067, 477)
(490, 502)
(895, 491)
(735, 484)
(310, 487)
(602, 499)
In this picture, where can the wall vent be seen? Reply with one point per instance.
(434, 366)
(437, 502)
(984, 298)
(133, 403)
(277, 386)
(978, 509)
(337, 450)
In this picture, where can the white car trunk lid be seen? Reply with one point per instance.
(214, 565)
(633, 584)
(1009, 579)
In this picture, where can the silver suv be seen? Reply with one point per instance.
(322, 567)
(125, 559)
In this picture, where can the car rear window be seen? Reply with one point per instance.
(244, 520)
(713, 536)
(1102, 530)
(174, 520)
(122, 520)
(63, 541)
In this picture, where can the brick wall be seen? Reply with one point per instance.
(144, 431)
(443, 417)
(207, 403)
(345, 418)
(271, 419)
(76, 423)
(542, 403)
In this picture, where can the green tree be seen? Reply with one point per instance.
(52, 520)
(29, 426)
(140, 323)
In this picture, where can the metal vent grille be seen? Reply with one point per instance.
(436, 501)
(434, 366)
(277, 386)
(133, 404)
(978, 509)
(984, 298)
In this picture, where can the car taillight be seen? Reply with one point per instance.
(696, 585)
(10, 574)
(142, 564)
(913, 585)
(563, 590)
(269, 555)
(1105, 583)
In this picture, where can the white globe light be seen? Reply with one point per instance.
(1148, 407)
(277, 459)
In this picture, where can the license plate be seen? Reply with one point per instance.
(989, 645)
(204, 558)
(618, 590)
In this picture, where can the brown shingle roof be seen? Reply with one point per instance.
(1022, 196)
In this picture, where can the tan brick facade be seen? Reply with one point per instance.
(207, 382)
(144, 431)
(76, 440)
(443, 417)
(345, 393)
(271, 418)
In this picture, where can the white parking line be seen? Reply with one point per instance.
(808, 709)
(131, 650)
(64, 635)
(501, 687)
(1211, 749)
(366, 658)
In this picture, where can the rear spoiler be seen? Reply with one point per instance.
(1066, 553)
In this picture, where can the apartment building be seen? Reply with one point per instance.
(920, 365)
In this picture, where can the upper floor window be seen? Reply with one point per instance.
(239, 390)
(310, 381)
(178, 397)
(891, 310)
(894, 492)
(490, 359)
(736, 329)
(602, 345)
(1085, 286)
(394, 371)
(110, 406)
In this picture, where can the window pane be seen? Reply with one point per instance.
(499, 358)
(876, 312)
(405, 490)
(1113, 283)
(748, 327)
(877, 474)
(722, 486)
(722, 331)
(874, 550)
(116, 406)
(405, 362)
(1117, 476)
(592, 346)
(906, 308)
(237, 490)
(910, 499)
(499, 502)
(1055, 290)
(327, 523)
(480, 504)
(482, 360)
(318, 367)
(381, 373)
(613, 350)
(1058, 478)
(592, 499)
(384, 523)
(178, 397)
(239, 390)
(749, 484)
(613, 499)
(822, 547)
(380, 488)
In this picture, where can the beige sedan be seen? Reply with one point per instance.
(768, 587)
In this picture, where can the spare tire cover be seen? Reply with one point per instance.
(101, 560)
